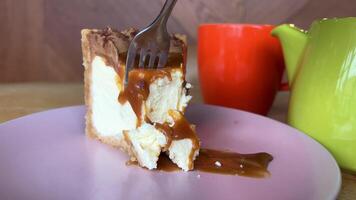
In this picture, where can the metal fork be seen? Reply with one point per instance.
(152, 42)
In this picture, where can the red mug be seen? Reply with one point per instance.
(240, 66)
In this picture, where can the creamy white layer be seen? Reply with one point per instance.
(147, 143)
(110, 118)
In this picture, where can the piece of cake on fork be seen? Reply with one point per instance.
(146, 117)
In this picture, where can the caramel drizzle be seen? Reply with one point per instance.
(139, 80)
(180, 130)
(229, 163)
(137, 90)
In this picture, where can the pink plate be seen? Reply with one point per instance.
(47, 156)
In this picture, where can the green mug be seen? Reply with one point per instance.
(321, 68)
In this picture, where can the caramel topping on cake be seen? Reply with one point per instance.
(181, 129)
(139, 80)
(137, 90)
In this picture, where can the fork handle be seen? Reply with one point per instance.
(163, 16)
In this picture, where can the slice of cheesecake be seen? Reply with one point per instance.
(146, 117)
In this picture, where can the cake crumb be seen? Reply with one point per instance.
(188, 86)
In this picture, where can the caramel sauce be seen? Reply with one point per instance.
(167, 131)
(251, 165)
(180, 130)
(231, 163)
(223, 162)
(165, 164)
(139, 80)
(137, 90)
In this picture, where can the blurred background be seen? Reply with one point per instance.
(40, 39)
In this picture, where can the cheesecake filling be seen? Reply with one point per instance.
(146, 143)
(108, 116)
(156, 97)
(183, 144)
